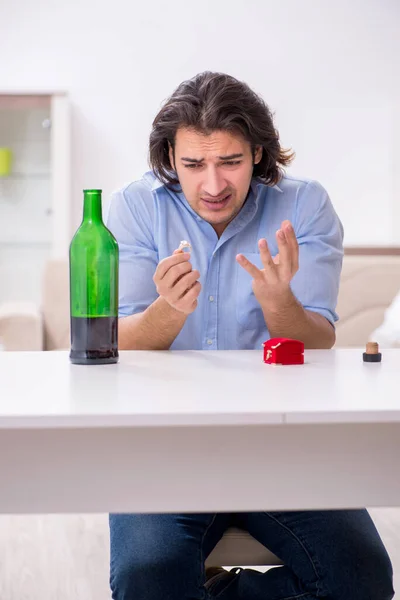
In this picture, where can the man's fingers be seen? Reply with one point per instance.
(169, 262)
(191, 295)
(175, 274)
(248, 266)
(185, 283)
(285, 254)
(265, 255)
(293, 244)
(188, 302)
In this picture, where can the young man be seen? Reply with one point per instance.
(265, 260)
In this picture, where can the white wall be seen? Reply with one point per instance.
(330, 71)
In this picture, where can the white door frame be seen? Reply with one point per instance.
(60, 141)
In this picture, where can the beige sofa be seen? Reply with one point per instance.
(368, 285)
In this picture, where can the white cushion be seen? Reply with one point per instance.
(21, 326)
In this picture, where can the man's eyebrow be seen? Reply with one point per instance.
(200, 160)
(193, 160)
(230, 156)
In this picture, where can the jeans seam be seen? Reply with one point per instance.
(227, 586)
(296, 537)
(306, 595)
(202, 561)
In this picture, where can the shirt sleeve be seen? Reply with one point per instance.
(320, 236)
(130, 219)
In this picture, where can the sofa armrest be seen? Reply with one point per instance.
(367, 287)
(21, 326)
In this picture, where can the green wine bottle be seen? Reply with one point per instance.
(93, 269)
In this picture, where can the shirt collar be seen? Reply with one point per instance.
(157, 184)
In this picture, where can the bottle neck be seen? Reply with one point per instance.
(92, 206)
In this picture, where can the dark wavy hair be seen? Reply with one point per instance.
(217, 102)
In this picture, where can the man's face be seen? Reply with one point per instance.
(214, 172)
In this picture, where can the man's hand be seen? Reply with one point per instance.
(177, 283)
(271, 285)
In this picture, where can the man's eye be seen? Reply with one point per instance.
(229, 163)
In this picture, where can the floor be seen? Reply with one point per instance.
(70, 560)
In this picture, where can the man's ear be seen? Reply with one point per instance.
(171, 155)
(258, 154)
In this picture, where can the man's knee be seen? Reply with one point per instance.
(147, 577)
(152, 559)
(376, 580)
(365, 574)
(132, 576)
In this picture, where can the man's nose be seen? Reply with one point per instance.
(214, 184)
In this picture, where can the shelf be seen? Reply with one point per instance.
(25, 244)
(25, 101)
(35, 196)
(26, 176)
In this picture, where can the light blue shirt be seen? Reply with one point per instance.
(149, 221)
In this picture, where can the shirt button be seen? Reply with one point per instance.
(209, 342)
(211, 298)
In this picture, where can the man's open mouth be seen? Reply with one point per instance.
(216, 204)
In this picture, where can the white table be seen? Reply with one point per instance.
(198, 431)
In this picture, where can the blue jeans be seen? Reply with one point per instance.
(337, 555)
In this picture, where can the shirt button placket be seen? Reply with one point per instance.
(211, 332)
